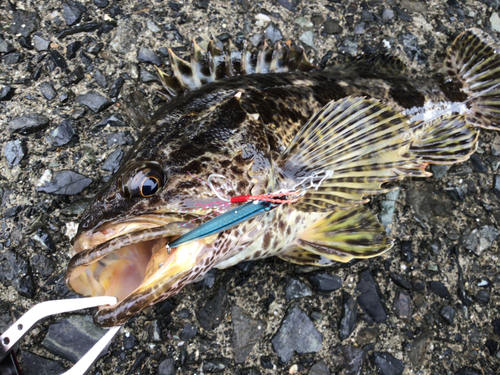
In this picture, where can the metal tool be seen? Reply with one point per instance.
(8, 361)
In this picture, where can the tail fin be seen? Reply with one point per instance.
(472, 74)
(344, 235)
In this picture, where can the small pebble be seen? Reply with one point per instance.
(48, 91)
(94, 101)
(15, 151)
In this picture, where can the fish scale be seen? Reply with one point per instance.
(266, 120)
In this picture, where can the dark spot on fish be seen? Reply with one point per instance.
(257, 254)
(297, 219)
(282, 226)
(288, 231)
(267, 240)
(224, 163)
(242, 185)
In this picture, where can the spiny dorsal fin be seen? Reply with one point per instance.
(471, 73)
(214, 64)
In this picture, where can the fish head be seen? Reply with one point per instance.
(160, 192)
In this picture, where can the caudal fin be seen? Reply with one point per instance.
(471, 74)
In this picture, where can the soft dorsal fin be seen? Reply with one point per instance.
(214, 64)
(359, 144)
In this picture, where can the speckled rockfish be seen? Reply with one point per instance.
(265, 122)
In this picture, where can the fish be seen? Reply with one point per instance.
(269, 126)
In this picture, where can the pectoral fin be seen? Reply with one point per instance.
(345, 235)
(361, 142)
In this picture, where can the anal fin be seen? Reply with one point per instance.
(306, 258)
(345, 235)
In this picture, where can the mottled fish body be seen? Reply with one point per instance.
(267, 123)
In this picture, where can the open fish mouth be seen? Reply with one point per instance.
(130, 261)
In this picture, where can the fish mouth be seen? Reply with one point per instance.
(130, 261)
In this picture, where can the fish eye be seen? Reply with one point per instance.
(145, 182)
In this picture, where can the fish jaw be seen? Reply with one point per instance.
(135, 267)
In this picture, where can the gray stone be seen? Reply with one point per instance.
(15, 151)
(167, 367)
(319, 368)
(73, 337)
(256, 39)
(246, 333)
(273, 33)
(417, 350)
(438, 171)
(349, 316)
(296, 334)
(120, 138)
(148, 56)
(5, 46)
(479, 240)
(448, 314)
(14, 270)
(100, 78)
(40, 44)
(349, 46)
(353, 360)
(216, 364)
(369, 299)
(411, 47)
(6, 93)
(113, 161)
(495, 21)
(24, 22)
(73, 11)
(62, 134)
(295, 288)
(332, 27)
(387, 208)
(387, 364)
(48, 91)
(65, 183)
(94, 101)
(359, 29)
(387, 15)
(124, 38)
(188, 332)
(42, 366)
(403, 305)
(308, 39)
(325, 283)
(28, 124)
(304, 23)
(212, 313)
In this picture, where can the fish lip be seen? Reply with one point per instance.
(86, 256)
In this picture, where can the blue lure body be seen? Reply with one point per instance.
(225, 221)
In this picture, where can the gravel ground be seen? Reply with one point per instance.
(429, 306)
